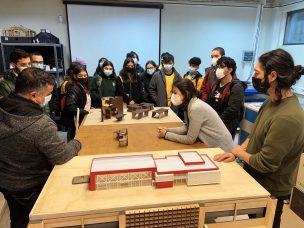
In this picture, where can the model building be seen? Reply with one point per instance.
(188, 167)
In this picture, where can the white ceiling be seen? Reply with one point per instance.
(269, 3)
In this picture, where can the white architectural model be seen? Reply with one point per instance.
(188, 167)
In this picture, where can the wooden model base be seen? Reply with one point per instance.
(164, 216)
(77, 206)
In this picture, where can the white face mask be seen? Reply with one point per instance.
(135, 60)
(46, 100)
(220, 73)
(21, 69)
(176, 100)
(107, 72)
(192, 70)
(150, 71)
(168, 67)
(213, 61)
(38, 65)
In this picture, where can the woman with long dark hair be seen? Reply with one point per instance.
(146, 77)
(272, 152)
(103, 84)
(128, 84)
(201, 121)
(77, 97)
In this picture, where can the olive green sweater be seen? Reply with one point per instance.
(276, 143)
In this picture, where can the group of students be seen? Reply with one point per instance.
(211, 106)
(220, 88)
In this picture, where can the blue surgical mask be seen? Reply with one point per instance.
(46, 100)
(168, 67)
(150, 71)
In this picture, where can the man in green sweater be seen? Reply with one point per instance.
(272, 151)
(19, 60)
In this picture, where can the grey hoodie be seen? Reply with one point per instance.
(29, 148)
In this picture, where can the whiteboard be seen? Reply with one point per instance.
(111, 32)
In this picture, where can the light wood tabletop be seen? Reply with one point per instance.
(141, 138)
(59, 198)
(94, 118)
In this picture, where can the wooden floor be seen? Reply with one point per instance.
(290, 219)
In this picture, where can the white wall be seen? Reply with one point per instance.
(36, 14)
(193, 30)
(112, 32)
(273, 34)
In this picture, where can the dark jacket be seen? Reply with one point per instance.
(75, 98)
(139, 69)
(231, 103)
(129, 90)
(29, 145)
(209, 80)
(7, 83)
(146, 79)
(157, 87)
(54, 102)
(102, 86)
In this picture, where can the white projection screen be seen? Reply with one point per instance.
(97, 31)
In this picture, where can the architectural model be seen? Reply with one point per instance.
(18, 31)
(111, 106)
(149, 106)
(122, 137)
(188, 167)
(134, 107)
(160, 113)
(139, 113)
(119, 117)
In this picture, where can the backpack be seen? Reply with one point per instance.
(62, 95)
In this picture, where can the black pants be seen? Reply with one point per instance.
(279, 211)
(20, 206)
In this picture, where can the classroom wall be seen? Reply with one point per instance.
(194, 30)
(36, 15)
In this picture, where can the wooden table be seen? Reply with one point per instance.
(142, 134)
(63, 204)
(141, 137)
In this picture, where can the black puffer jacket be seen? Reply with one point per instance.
(130, 90)
(75, 98)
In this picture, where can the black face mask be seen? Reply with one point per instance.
(130, 70)
(259, 85)
(82, 81)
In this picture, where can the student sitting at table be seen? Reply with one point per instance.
(201, 121)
